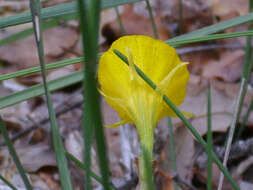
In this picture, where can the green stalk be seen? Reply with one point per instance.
(56, 11)
(146, 133)
(196, 39)
(80, 59)
(27, 32)
(172, 150)
(84, 168)
(8, 183)
(145, 168)
(247, 66)
(245, 119)
(184, 120)
(38, 89)
(57, 142)
(14, 155)
(37, 69)
(180, 15)
(122, 29)
(89, 12)
(152, 19)
(209, 140)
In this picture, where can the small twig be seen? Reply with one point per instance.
(239, 149)
(231, 131)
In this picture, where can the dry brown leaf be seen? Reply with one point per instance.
(222, 109)
(228, 68)
(224, 7)
(133, 24)
(74, 144)
(23, 53)
(196, 14)
(16, 115)
(165, 181)
(48, 178)
(184, 150)
(38, 183)
(35, 157)
(231, 90)
(198, 60)
(202, 177)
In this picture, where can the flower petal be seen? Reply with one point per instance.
(116, 124)
(121, 82)
(164, 84)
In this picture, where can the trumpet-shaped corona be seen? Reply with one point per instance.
(134, 100)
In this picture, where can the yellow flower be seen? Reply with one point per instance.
(134, 100)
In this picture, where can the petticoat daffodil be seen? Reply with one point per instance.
(134, 100)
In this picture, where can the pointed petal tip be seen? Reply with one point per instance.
(114, 125)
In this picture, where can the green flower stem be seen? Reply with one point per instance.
(146, 133)
(145, 169)
(185, 121)
(209, 140)
(152, 19)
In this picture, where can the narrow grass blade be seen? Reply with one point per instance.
(195, 39)
(231, 133)
(56, 11)
(245, 120)
(180, 16)
(172, 150)
(57, 142)
(38, 90)
(183, 119)
(216, 27)
(8, 183)
(89, 11)
(84, 168)
(209, 140)
(14, 155)
(77, 60)
(37, 69)
(27, 32)
(147, 168)
(152, 19)
(70, 8)
(122, 29)
(247, 66)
